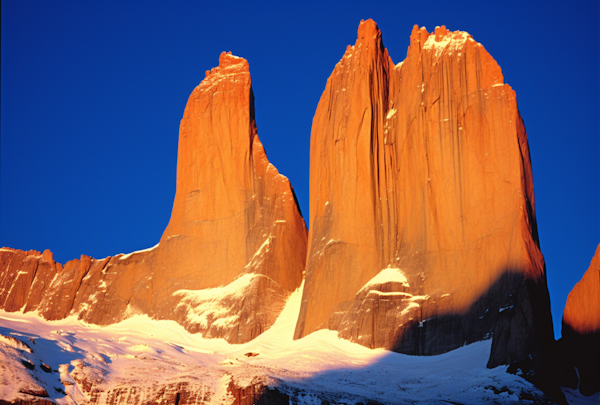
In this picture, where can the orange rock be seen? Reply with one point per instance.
(18, 271)
(580, 341)
(233, 214)
(230, 200)
(420, 173)
(234, 249)
(582, 311)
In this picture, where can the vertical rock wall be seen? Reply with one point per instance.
(423, 234)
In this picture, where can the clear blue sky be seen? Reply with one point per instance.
(92, 93)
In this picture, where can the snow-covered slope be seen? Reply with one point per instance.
(141, 360)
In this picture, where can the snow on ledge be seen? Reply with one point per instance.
(452, 41)
(125, 256)
(214, 305)
(388, 275)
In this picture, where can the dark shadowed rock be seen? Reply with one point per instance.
(580, 342)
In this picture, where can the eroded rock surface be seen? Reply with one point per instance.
(233, 251)
(423, 234)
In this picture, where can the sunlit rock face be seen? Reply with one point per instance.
(234, 249)
(580, 341)
(423, 234)
(233, 215)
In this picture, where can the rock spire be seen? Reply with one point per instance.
(233, 251)
(423, 234)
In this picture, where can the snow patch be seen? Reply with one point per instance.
(409, 307)
(125, 256)
(388, 275)
(14, 342)
(214, 304)
(407, 296)
(452, 41)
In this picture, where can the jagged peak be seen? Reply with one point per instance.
(368, 30)
(443, 39)
(229, 64)
(228, 60)
(440, 39)
(418, 36)
(368, 37)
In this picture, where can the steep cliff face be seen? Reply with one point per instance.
(580, 343)
(234, 249)
(423, 233)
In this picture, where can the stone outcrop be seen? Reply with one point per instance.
(233, 251)
(423, 234)
(580, 342)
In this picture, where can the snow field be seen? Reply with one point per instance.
(143, 352)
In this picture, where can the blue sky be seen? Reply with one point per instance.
(92, 94)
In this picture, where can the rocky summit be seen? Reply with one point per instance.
(233, 251)
(423, 235)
